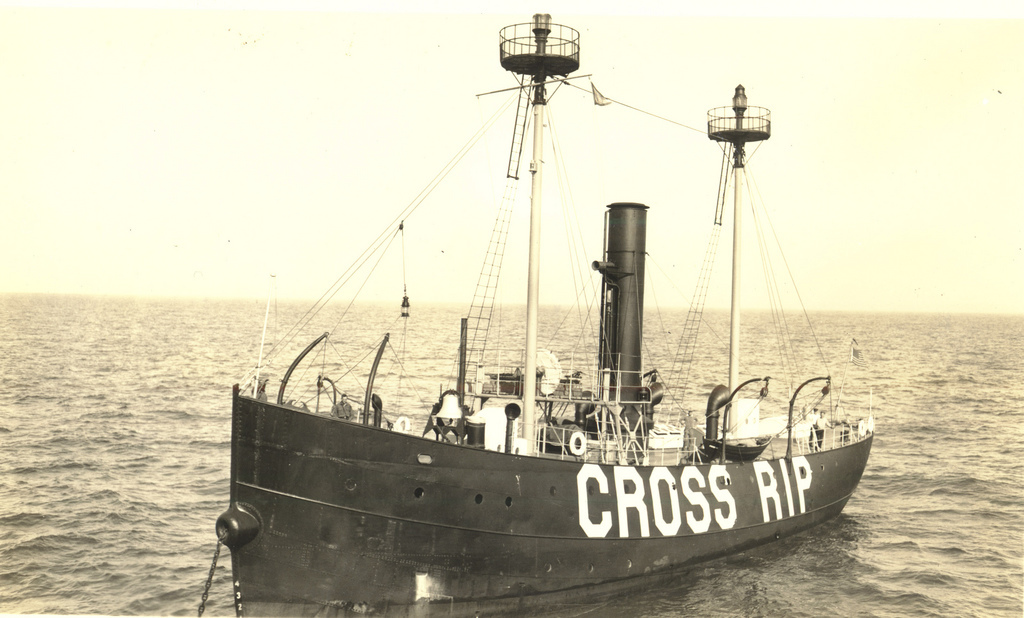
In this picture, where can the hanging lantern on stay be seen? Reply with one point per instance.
(405, 289)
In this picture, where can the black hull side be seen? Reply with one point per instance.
(354, 519)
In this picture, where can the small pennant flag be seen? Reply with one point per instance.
(599, 99)
(858, 358)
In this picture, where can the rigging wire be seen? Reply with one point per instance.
(384, 375)
(377, 242)
(564, 189)
(487, 154)
(354, 297)
(783, 337)
(481, 309)
(657, 305)
(756, 148)
(789, 271)
(405, 288)
(695, 316)
(366, 279)
(599, 149)
(379, 245)
(371, 349)
(637, 109)
(723, 183)
(803, 307)
(404, 315)
(300, 378)
(398, 359)
(676, 414)
(574, 241)
(650, 258)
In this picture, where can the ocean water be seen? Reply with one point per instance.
(115, 440)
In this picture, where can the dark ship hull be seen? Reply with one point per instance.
(330, 517)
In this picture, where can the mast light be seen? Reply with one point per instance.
(542, 24)
(739, 101)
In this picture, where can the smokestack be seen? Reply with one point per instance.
(622, 304)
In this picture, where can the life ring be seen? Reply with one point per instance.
(871, 424)
(403, 424)
(861, 429)
(578, 443)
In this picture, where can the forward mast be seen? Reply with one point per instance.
(536, 50)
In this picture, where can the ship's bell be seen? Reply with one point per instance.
(450, 409)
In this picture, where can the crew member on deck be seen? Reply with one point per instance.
(822, 424)
(818, 425)
(812, 420)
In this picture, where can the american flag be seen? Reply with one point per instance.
(858, 358)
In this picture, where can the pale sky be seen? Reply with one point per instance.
(193, 153)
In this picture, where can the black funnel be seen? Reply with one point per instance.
(622, 302)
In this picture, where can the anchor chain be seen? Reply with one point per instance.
(209, 580)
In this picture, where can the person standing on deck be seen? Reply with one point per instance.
(819, 425)
(812, 420)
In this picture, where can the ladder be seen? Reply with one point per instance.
(519, 132)
(487, 283)
(694, 317)
(482, 307)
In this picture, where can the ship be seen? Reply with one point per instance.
(528, 484)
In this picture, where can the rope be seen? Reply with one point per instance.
(401, 228)
(779, 322)
(789, 271)
(376, 243)
(398, 359)
(354, 297)
(695, 315)
(481, 309)
(657, 305)
(565, 192)
(365, 280)
(348, 370)
(676, 413)
(575, 242)
(637, 109)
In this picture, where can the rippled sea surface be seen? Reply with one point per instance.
(115, 440)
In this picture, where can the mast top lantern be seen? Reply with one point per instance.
(739, 100)
(542, 24)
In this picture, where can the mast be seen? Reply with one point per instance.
(531, 50)
(737, 242)
(745, 124)
(533, 276)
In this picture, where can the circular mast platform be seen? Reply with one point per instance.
(539, 48)
(740, 123)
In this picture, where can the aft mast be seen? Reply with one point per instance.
(538, 50)
(745, 124)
